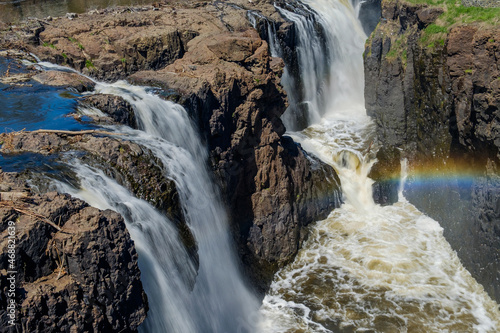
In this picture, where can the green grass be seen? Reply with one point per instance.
(52, 46)
(454, 12)
(468, 71)
(89, 64)
(434, 29)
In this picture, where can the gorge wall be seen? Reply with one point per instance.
(433, 90)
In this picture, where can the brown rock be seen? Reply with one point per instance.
(71, 280)
(65, 79)
(429, 15)
(272, 188)
(115, 106)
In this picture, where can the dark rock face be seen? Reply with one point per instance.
(385, 174)
(272, 188)
(116, 107)
(82, 278)
(439, 104)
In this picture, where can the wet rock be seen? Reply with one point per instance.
(65, 79)
(386, 173)
(207, 57)
(115, 106)
(130, 164)
(70, 279)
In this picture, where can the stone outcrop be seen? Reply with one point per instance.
(81, 276)
(230, 84)
(115, 107)
(65, 79)
(436, 96)
(207, 57)
(133, 166)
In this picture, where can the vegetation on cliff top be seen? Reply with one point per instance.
(456, 13)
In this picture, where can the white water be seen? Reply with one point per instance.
(327, 63)
(365, 267)
(213, 298)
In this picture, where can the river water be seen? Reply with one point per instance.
(13, 11)
(365, 268)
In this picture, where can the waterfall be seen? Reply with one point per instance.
(325, 71)
(213, 298)
(365, 267)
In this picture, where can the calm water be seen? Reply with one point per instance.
(33, 106)
(17, 10)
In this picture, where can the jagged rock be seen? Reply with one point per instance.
(207, 57)
(130, 164)
(72, 279)
(273, 189)
(115, 106)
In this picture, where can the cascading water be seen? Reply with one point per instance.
(213, 298)
(365, 267)
(326, 59)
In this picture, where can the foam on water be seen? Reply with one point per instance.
(368, 267)
(365, 267)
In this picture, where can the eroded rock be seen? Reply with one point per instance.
(84, 277)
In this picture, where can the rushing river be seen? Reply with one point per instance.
(365, 268)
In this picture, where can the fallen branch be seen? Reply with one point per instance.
(26, 212)
(77, 132)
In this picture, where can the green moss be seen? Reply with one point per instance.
(89, 64)
(468, 71)
(72, 40)
(80, 46)
(52, 46)
(64, 55)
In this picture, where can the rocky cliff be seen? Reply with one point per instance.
(207, 57)
(433, 89)
(70, 261)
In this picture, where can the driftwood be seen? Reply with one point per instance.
(26, 212)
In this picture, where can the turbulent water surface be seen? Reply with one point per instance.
(365, 268)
